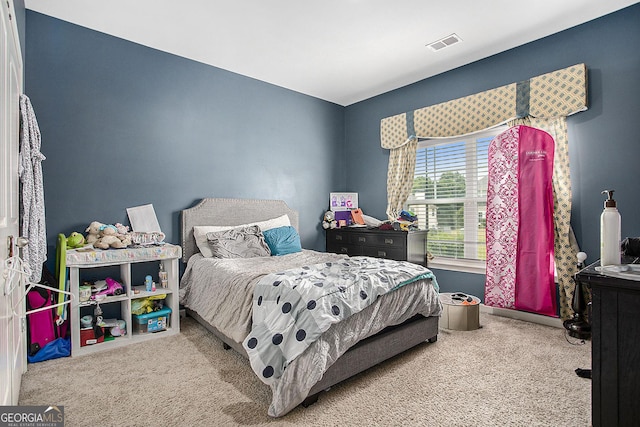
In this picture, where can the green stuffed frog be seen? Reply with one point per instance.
(75, 240)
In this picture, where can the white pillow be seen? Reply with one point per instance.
(200, 231)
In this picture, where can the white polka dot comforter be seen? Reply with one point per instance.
(222, 293)
(291, 309)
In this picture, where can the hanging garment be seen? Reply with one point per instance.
(520, 235)
(33, 225)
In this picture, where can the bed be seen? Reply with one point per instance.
(219, 294)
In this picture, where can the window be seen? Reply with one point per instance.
(449, 197)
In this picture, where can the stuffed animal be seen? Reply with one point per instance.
(75, 240)
(121, 229)
(108, 239)
(104, 236)
(329, 220)
(93, 232)
(125, 239)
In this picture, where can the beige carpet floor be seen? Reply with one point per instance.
(508, 373)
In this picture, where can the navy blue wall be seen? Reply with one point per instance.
(604, 146)
(124, 125)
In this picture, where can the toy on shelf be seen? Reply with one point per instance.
(120, 328)
(147, 238)
(93, 232)
(147, 305)
(105, 236)
(75, 240)
(107, 287)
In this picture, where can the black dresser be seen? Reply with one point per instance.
(615, 347)
(391, 244)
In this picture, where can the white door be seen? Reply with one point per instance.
(12, 328)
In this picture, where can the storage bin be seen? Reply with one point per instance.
(88, 337)
(152, 322)
(460, 312)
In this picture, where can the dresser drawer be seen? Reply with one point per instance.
(339, 247)
(388, 240)
(396, 253)
(338, 237)
(366, 239)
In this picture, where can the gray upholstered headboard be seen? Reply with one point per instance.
(212, 211)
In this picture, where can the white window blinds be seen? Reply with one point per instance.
(449, 194)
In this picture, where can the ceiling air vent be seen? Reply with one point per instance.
(444, 42)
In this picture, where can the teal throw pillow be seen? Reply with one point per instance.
(283, 240)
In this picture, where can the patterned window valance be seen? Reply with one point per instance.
(555, 94)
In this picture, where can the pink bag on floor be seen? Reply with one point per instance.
(41, 325)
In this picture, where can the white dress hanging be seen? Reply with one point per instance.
(33, 226)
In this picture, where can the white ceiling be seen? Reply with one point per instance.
(342, 51)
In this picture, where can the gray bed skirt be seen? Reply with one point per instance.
(367, 353)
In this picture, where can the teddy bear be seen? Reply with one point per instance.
(329, 220)
(93, 232)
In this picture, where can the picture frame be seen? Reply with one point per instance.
(143, 219)
(343, 201)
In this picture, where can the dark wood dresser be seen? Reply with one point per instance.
(391, 244)
(615, 347)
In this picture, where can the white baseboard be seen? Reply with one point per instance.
(523, 315)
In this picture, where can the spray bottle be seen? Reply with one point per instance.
(610, 234)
